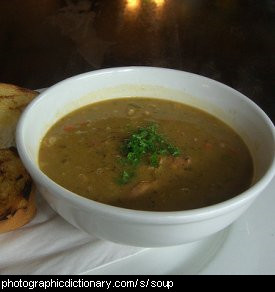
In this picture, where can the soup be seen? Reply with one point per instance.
(146, 154)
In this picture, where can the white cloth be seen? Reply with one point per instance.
(49, 245)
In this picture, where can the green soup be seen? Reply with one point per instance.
(146, 154)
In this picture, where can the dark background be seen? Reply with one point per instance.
(232, 41)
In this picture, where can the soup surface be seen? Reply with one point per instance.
(146, 154)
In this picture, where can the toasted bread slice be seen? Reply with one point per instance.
(17, 191)
(17, 202)
(13, 100)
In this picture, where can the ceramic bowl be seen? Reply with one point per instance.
(144, 228)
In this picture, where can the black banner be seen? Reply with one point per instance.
(170, 283)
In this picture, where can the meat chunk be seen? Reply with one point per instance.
(174, 162)
(143, 187)
(166, 164)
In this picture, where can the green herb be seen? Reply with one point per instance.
(125, 177)
(145, 143)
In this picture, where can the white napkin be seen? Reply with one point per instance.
(49, 245)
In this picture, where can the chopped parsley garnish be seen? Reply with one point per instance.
(145, 144)
(125, 177)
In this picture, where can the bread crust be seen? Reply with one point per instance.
(13, 100)
(21, 216)
(17, 191)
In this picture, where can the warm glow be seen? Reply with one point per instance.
(133, 4)
(159, 3)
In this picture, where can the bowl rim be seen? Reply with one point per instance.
(157, 217)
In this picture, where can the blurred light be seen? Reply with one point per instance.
(133, 4)
(159, 3)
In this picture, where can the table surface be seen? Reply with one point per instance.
(232, 41)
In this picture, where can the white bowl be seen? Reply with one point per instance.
(144, 228)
